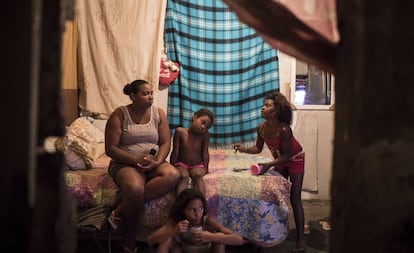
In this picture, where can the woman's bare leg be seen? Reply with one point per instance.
(132, 185)
(161, 180)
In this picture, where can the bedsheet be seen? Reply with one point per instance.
(256, 207)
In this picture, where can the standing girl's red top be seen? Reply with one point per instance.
(296, 163)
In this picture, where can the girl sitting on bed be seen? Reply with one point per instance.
(289, 159)
(189, 226)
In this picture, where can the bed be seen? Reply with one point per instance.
(256, 207)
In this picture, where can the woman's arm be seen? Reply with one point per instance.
(164, 140)
(113, 131)
(176, 146)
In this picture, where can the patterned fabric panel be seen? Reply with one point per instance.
(95, 187)
(256, 207)
(274, 189)
(261, 222)
(227, 159)
(157, 210)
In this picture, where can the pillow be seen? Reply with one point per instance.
(76, 162)
(100, 124)
(83, 143)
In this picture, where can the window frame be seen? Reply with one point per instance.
(309, 106)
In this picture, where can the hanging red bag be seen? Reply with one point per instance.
(169, 71)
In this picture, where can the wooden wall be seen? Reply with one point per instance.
(69, 92)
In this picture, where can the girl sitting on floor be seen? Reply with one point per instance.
(189, 226)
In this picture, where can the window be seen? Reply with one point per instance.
(311, 87)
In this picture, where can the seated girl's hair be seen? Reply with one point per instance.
(178, 207)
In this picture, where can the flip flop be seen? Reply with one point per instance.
(306, 229)
(113, 220)
(325, 225)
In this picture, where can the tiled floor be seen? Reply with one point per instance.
(314, 210)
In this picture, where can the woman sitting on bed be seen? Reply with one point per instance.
(137, 138)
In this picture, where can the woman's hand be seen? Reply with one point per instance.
(147, 163)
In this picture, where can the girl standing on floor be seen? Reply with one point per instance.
(288, 157)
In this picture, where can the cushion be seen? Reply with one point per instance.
(82, 144)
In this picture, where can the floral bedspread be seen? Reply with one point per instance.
(95, 187)
(256, 207)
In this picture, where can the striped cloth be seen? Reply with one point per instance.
(225, 67)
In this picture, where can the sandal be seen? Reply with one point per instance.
(306, 229)
(113, 220)
(325, 225)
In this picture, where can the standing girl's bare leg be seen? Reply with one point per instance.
(298, 213)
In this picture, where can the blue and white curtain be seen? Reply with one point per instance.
(224, 66)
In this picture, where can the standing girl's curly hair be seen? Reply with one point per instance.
(282, 105)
